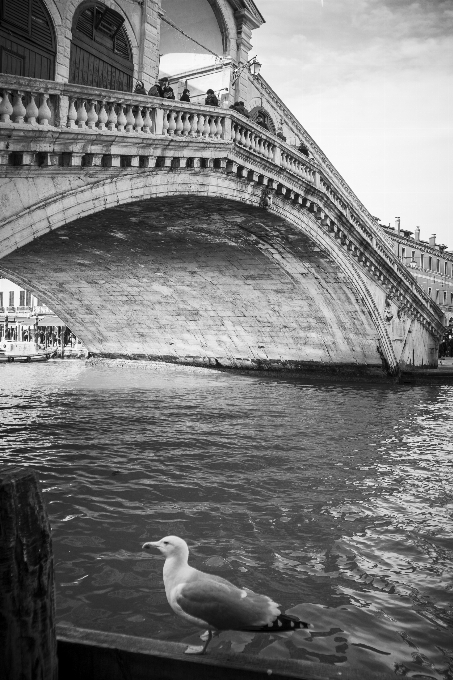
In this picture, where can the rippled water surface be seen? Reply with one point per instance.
(335, 500)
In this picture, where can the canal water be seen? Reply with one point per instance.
(334, 499)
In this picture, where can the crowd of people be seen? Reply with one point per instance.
(44, 336)
(446, 345)
(162, 88)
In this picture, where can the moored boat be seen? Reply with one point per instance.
(25, 351)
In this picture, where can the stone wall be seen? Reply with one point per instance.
(201, 280)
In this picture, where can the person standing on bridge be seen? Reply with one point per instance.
(240, 108)
(166, 89)
(185, 97)
(155, 90)
(260, 120)
(140, 87)
(211, 99)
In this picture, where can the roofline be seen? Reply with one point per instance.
(249, 5)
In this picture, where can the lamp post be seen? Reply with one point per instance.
(253, 65)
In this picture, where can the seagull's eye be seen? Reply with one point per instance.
(165, 542)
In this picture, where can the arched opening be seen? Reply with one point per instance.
(259, 110)
(27, 39)
(27, 321)
(193, 37)
(101, 54)
(169, 247)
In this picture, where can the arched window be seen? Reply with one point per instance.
(267, 117)
(27, 39)
(101, 54)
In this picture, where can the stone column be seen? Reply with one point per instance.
(148, 66)
(245, 22)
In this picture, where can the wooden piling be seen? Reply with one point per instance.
(28, 648)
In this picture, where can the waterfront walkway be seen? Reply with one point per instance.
(442, 374)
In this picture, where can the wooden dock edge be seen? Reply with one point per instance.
(94, 655)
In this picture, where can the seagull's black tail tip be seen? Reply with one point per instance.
(282, 623)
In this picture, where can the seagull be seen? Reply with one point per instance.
(213, 602)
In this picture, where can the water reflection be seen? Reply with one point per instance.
(334, 500)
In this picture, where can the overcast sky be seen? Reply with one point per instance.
(372, 82)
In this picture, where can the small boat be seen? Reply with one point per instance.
(25, 351)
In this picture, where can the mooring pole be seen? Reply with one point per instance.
(28, 648)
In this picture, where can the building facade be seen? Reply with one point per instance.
(24, 318)
(111, 44)
(429, 262)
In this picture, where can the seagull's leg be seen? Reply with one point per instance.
(200, 650)
(204, 636)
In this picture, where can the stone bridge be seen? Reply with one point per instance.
(187, 233)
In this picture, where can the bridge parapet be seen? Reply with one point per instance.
(60, 127)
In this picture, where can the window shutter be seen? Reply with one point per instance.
(85, 22)
(109, 22)
(17, 13)
(121, 45)
(41, 30)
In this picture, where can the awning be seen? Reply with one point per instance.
(50, 320)
(25, 320)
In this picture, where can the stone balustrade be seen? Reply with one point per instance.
(26, 106)
(45, 103)
(116, 112)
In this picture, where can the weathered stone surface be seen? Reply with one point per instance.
(200, 280)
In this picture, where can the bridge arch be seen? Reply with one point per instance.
(71, 207)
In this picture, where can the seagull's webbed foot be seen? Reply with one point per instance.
(195, 649)
(200, 650)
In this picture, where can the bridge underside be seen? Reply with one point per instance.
(200, 280)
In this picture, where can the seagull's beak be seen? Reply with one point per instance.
(150, 544)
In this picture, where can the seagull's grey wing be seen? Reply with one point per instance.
(225, 607)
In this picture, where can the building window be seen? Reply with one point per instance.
(1, 299)
(430, 291)
(438, 265)
(27, 39)
(430, 263)
(403, 254)
(446, 269)
(101, 54)
(28, 298)
(22, 298)
(445, 297)
(422, 258)
(413, 256)
(11, 298)
(437, 296)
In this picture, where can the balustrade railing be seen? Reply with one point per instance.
(25, 101)
(31, 107)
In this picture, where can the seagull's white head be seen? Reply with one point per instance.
(169, 546)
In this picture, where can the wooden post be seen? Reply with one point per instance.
(28, 649)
